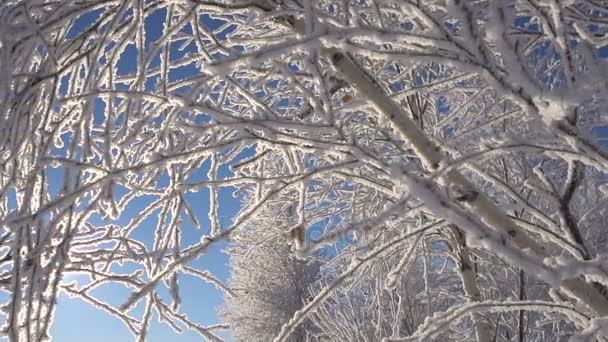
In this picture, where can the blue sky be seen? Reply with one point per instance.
(76, 320)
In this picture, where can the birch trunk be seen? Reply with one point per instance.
(476, 202)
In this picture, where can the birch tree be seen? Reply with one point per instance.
(472, 120)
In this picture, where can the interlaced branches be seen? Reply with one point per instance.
(419, 149)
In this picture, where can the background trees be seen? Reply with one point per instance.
(442, 157)
(269, 283)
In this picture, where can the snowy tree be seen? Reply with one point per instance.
(269, 283)
(376, 122)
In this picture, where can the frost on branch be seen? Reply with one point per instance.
(118, 117)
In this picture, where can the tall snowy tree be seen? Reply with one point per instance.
(269, 282)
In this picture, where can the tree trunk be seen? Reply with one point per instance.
(468, 276)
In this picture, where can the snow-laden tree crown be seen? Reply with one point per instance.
(404, 170)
